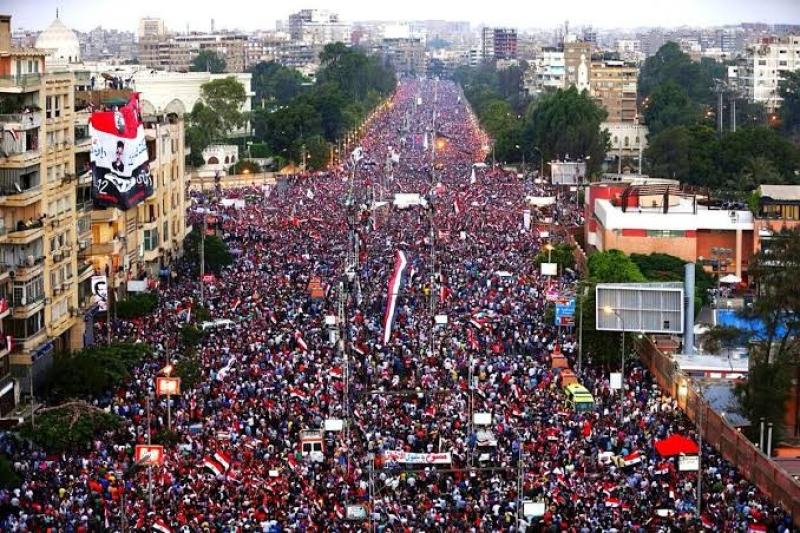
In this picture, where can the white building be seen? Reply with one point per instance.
(151, 27)
(765, 64)
(61, 44)
(547, 72)
(630, 50)
(318, 27)
(627, 139)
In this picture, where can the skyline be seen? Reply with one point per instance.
(619, 14)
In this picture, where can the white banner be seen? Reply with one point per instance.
(119, 154)
(526, 219)
(549, 269)
(688, 463)
(100, 292)
(399, 456)
(616, 381)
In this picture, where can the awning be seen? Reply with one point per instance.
(676, 445)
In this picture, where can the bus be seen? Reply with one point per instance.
(578, 397)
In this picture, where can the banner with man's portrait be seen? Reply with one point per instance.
(120, 162)
(100, 292)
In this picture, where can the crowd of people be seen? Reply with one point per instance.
(468, 335)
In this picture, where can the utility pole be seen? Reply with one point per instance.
(33, 402)
(149, 467)
(203, 256)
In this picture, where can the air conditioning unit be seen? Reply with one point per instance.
(82, 245)
(23, 301)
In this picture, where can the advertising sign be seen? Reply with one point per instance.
(399, 456)
(688, 463)
(166, 386)
(615, 380)
(119, 159)
(565, 312)
(100, 292)
(549, 269)
(149, 454)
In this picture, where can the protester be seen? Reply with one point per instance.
(273, 372)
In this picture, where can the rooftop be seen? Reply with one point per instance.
(780, 192)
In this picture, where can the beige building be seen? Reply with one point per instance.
(39, 266)
(614, 84)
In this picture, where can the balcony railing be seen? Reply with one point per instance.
(25, 121)
(23, 81)
(7, 191)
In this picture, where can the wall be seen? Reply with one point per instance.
(776, 483)
(637, 242)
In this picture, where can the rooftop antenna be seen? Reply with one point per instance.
(56, 12)
(212, 25)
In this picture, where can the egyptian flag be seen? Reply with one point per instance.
(301, 343)
(706, 521)
(756, 528)
(336, 372)
(223, 458)
(360, 348)
(444, 293)
(478, 321)
(213, 465)
(472, 339)
(395, 281)
(613, 502)
(632, 459)
(161, 526)
(297, 393)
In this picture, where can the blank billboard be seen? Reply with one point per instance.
(640, 307)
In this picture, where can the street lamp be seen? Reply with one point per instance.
(609, 310)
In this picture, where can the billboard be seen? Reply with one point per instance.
(565, 312)
(119, 159)
(100, 292)
(640, 307)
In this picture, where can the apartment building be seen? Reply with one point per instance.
(498, 44)
(766, 64)
(39, 265)
(614, 84)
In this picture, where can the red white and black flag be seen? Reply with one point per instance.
(119, 158)
(395, 281)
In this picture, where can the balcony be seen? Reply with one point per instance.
(151, 255)
(20, 196)
(24, 233)
(28, 306)
(109, 214)
(112, 247)
(22, 121)
(28, 269)
(20, 84)
(85, 271)
(82, 144)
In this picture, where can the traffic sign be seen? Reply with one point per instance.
(565, 312)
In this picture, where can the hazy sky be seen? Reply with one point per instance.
(262, 14)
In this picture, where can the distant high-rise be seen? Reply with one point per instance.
(766, 63)
(151, 27)
(498, 44)
(318, 26)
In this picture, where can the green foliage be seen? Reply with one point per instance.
(69, 427)
(275, 84)
(789, 90)
(191, 335)
(166, 437)
(216, 252)
(92, 371)
(736, 161)
(613, 266)
(8, 476)
(669, 106)
(208, 61)
(562, 253)
(251, 167)
(567, 123)
(774, 358)
(721, 338)
(349, 85)
(137, 304)
(189, 370)
(665, 267)
(670, 64)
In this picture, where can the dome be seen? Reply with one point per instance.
(61, 43)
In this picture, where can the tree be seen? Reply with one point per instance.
(721, 338)
(670, 64)
(665, 267)
(208, 61)
(275, 84)
(563, 254)
(667, 107)
(612, 266)
(774, 355)
(225, 98)
(137, 305)
(789, 91)
(68, 427)
(567, 123)
(216, 252)
(92, 371)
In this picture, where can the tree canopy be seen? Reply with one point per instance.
(789, 91)
(275, 84)
(670, 64)
(215, 115)
(208, 61)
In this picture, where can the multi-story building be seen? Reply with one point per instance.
(613, 84)
(151, 27)
(498, 44)
(176, 53)
(547, 72)
(162, 52)
(318, 27)
(630, 50)
(627, 139)
(39, 266)
(143, 241)
(577, 64)
(765, 65)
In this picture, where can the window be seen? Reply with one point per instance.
(150, 240)
(49, 108)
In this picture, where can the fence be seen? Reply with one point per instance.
(716, 431)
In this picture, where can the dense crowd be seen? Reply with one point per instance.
(273, 372)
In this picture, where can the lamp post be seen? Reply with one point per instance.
(609, 310)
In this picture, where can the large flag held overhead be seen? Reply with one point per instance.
(395, 280)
